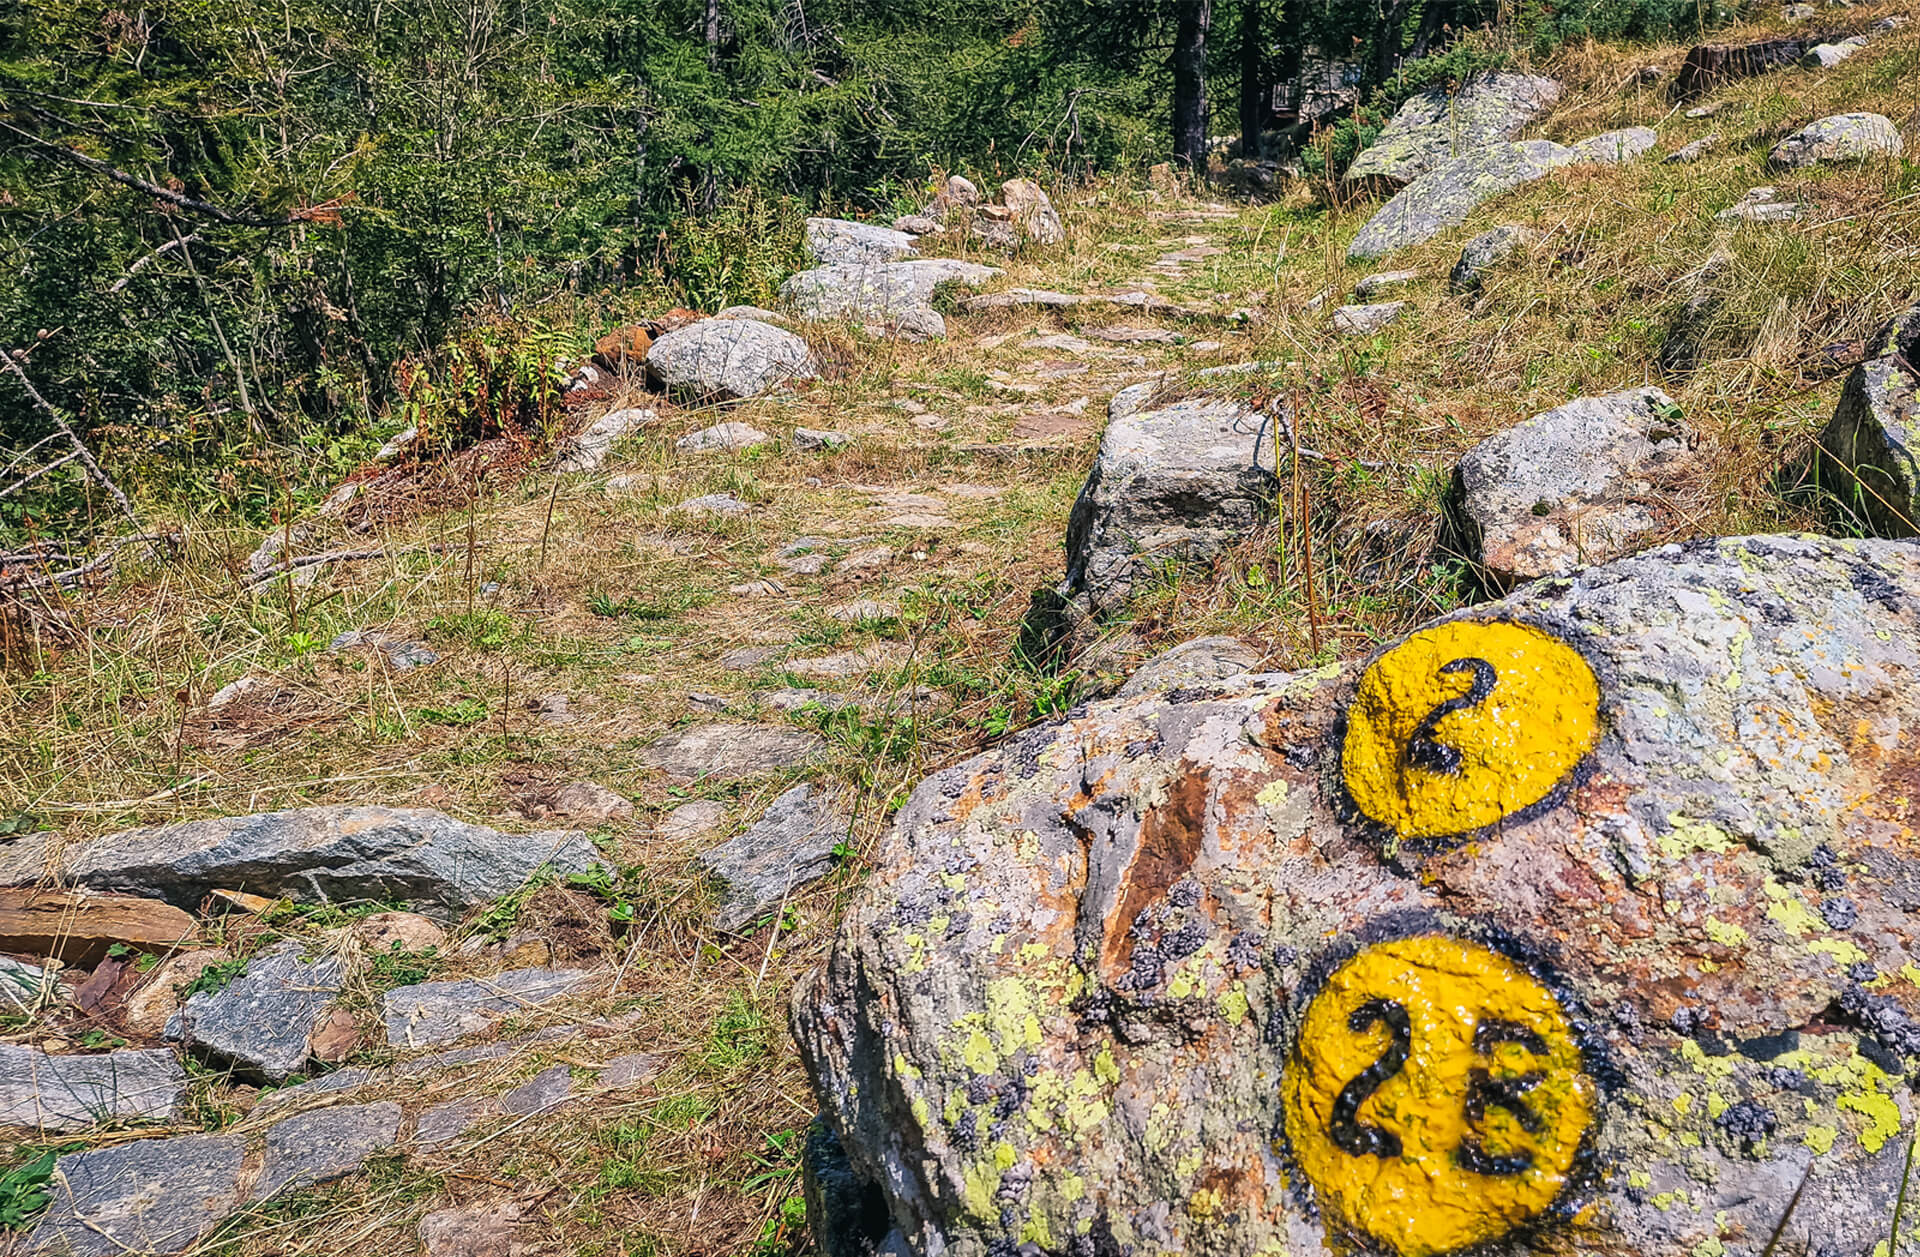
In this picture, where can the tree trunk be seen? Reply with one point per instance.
(1190, 83)
(1392, 16)
(713, 34)
(1253, 104)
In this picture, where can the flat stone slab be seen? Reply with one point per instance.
(325, 1145)
(790, 846)
(444, 1122)
(1444, 196)
(544, 1092)
(1611, 148)
(722, 436)
(892, 298)
(730, 750)
(838, 241)
(259, 1023)
(153, 1196)
(440, 1012)
(1195, 663)
(344, 853)
(474, 1231)
(62, 1093)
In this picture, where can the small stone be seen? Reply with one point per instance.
(758, 589)
(260, 1022)
(1841, 138)
(848, 663)
(1033, 213)
(62, 1093)
(916, 225)
(1484, 252)
(863, 609)
(1689, 153)
(712, 504)
(730, 750)
(1059, 342)
(588, 450)
(1382, 281)
(909, 405)
(439, 1012)
(722, 436)
(335, 1038)
(24, 988)
(790, 846)
(747, 658)
(397, 444)
(840, 241)
(590, 804)
(1827, 56)
(1613, 148)
(866, 559)
(442, 1122)
(406, 656)
(152, 1004)
(340, 1080)
(150, 1196)
(543, 1093)
(234, 691)
(692, 820)
(1760, 205)
(403, 931)
(553, 709)
(1365, 320)
(1865, 457)
(1797, 12)
(476, 1231)
(707, 702)
(791, 700)
(632, 1070)
(326, 1144)
(820, 439)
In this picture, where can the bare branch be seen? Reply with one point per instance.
(79, 447)
(94, 165)
(178, 242)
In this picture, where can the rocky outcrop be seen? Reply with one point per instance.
(1868, 458)
(1842, 137)
(1579, 484)
(1171, 484)
(790, 846)
(1434, 128)
(889, 299)
(1418, 953)
(838, 242)
(1614, 148)
(1447, 194)
(1486, 251)
(1202, 661)
(62, 1093)
(727, 359)
(345, 853)
(1714, 65)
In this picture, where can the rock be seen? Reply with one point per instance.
(634, 1069)
(730, 750)
(850, 663)
(398, 931)
(326, 1144)
(1827, 56)
(846, 1215)
(1612, 148)
(1760, 205)
(863, 609)
(895, 299)
(590, 804)
(797, 699)
(26, 988)
(756, 313)
(475, 1231)
(1374, 284)
(747, 658)
(150, 1196)
(336, 1037)
(1591, 948)
(78, 927)
(62, 1093)
(397, 445)
(1032, 212)
(1447, 194)
(1485, 251)
(233, 691)
(588, 450)
(916, 225)
(838, 242)
(960, 190)
(710, 505)
(1687, 154)
(449, 1120)
(1843, 137)
(553, 709)
(318, 1089)
(1433, 128)
(154, 1002)
(342, 853)
(406, 656)
(789, 847)
(1366, 320)
(544, 1092)
(865, 559)
(727, 359)
(1572, 486)
(1690, 329)
(439, 1012)
(820, 439)
(1714, 65)
(1175, 483)
(621, 346)
(692, 820)
(259, 1023)
(1193, 663)
(1797, 12)
(1868, 457)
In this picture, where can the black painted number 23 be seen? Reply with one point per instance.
(1483, 1090)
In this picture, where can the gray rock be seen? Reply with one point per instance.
(692, 820)
(723, 436)
(1172, 483)
(589, 803)
(1447, 194)
(1159, 918)
(1843, 137)
(1827, 56)
(1197, 662)
(1687, 154)
(151, 1196)
(472, 1054)
(893, 298)
(406, 656)
(748, 658)
(791, 699)
(1486, 251)
(850, 663)
(325, 1145)
(709, 505)
(730, 750)
(1760, 205)
(727, 359)
(588, 450)
(474, 1231)
(1432, 129)
(916, 225)
(342, 853)
(789, 847)
(320, 1089)
(633, 1069)
(430, 1013)
(399, 443)
(544, 1092)
(820, 439)
(24, 988)
(1579, 484)
(62, 1093)
(838, 242)
(1613, 148)
(448, 1121)
(1868, 457)
(258, 1023)
(757, 313)
(1366, 320)
(1373, 285)
(1033, 213)
(1798, 12)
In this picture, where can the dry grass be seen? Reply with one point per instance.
(625, 605)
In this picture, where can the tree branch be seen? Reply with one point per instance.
(79, 446)
(178, 242)
(94, 165)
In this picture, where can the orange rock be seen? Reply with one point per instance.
(335, 1038)
(621, 344)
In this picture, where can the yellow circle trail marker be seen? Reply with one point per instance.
(1436, 1097)
(1464, 724)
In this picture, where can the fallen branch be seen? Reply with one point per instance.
(347, 556)
(80, 449)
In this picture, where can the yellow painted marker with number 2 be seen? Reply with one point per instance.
(1464, 724)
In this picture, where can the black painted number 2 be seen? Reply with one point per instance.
(1426, 751)
(1484, 1091)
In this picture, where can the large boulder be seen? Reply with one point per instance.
(1579, 484)
(727, 359)
(1434, 127)
(1571, 923)
(1170, 484)
(1447, 194)
(1842, 137)
(1868, 457)
(837, 241)
(890, 299)
(342, 853)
